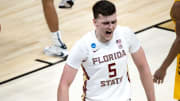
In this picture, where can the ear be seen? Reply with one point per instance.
(94, 21)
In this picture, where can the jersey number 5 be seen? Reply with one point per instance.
(112, 71)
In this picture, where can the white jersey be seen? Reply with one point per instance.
(105, 64)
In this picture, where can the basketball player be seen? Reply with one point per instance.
(58, 48)
(174, 51)
(102, 54)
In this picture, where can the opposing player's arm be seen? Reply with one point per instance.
(67, 77)
(145, 74)
(160, 73)
(178, 33)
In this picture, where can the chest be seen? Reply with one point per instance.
(103, 54)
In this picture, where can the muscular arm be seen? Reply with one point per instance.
(175, 49)
(145, 74)
(66, 80)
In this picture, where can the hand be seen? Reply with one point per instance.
(159, 76)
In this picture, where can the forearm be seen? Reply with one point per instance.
(175, 49)
(63, 93)
(145, 74)
(146, 79)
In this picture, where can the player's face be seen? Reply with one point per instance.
(105, 26)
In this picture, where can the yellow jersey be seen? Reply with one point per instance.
(177, 74)
(177, 79)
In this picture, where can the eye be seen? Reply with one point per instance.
(113, 22)
(106, 23)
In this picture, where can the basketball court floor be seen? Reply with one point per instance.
(26, 74)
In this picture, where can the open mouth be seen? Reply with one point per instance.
(108, 32)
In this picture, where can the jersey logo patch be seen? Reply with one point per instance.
(93, 45)
(118, 42)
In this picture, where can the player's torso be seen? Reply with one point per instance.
(105, 58)
(106, 67)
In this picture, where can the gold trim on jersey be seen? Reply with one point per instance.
(85, 78)
(177, 79)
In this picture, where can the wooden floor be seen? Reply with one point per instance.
(24, 32)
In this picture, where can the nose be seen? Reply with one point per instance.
(111, 26)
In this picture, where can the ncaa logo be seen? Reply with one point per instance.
(93, 45)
